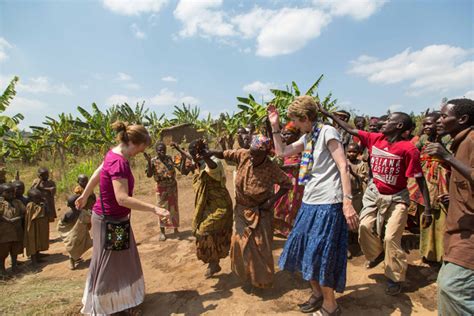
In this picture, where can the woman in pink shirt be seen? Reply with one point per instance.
(115, 280)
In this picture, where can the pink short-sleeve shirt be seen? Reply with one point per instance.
(115, 167)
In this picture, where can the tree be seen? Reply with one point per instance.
(6, 122)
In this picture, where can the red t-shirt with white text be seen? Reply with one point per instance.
(391, 163)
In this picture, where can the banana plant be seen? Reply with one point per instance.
(186, 114)
(9, 122)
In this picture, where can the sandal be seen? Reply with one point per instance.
(324, 312)
(312, 304)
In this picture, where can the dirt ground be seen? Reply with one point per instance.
(175, 284)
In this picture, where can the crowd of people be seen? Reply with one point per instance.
(316, 180)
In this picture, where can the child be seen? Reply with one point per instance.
(48, 189)
(19, 191)
(359, 175)
(11, 229)
(82, 181)
(74, 230)
(36, 225)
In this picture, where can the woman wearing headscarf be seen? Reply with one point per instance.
(288, 205)
(251, 248)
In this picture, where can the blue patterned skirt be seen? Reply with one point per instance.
(317, 245)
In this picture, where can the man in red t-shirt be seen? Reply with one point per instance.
(384, 215)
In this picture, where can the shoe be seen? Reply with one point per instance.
(312, 304)
(375, 262)
(324, 312)
(393, 288)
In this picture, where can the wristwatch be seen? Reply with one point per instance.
(348, 196)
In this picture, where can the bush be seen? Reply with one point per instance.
(69, 180)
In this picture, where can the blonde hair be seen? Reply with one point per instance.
(304, 106)
(137, 134)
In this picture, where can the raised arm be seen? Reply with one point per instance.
(346, 126)
(282, 149)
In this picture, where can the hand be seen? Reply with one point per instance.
(230, 141)
(444, 199)
(222, 141)
(352, 219)
(174, 145)
(426, 219)
(273, 116)
(161, 212)
(147, 157)
(322, 109)
(437, 150)
(265, 206)
(81, 202)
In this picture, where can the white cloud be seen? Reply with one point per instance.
(289, 30)
(250, 24)
(469, 94)
(121, 76)
(134, 7)
(261, 89)
(395, 107)
(4, 46)
(137, 32)
(204, 17)
(169, 79)
(132, 86)
(42, 85)
(167, 97)
(31, 109)
(357, 9)
(433, 68)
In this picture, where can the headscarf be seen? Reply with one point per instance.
(291, 127)
(261, 142)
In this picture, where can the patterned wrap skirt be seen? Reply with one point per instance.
(317, 246)
(115, 280)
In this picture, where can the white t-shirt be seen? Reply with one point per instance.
(324, 185)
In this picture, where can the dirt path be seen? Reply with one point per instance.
(175, 283)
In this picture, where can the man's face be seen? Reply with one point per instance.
(429, 126)
(448, 122)
(391, 126)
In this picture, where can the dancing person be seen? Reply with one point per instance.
(456, 277)
(286, 208)
(115, 280)
(386, 200)
(162, 169)
(212, 218)
(317, 245)
(251, 249)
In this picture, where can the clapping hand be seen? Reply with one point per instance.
(437, 150)
(273, 116)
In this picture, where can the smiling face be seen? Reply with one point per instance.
(429, 126)
(374, 126)
(288, 137)
(303, 124)
(160, 150)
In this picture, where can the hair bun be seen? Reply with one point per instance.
(119, 126)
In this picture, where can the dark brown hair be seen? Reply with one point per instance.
(137, 134)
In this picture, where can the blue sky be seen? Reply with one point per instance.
(375, 54)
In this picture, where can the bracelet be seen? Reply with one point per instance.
(276, 132)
